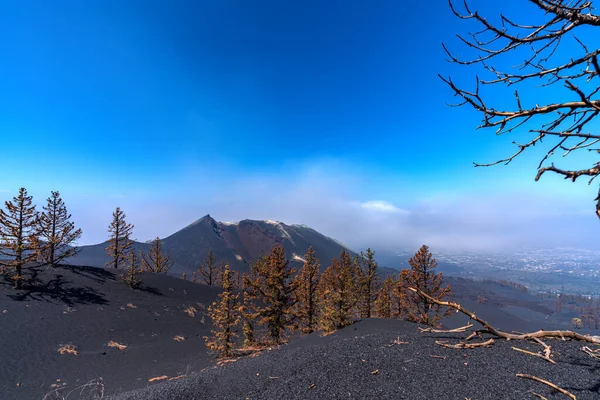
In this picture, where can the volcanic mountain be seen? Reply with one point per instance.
(238, 244)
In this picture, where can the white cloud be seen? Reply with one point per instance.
(382, 206)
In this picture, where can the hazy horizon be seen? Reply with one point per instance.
(328, 114)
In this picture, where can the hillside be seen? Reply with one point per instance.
(385, 359)
(89, 307)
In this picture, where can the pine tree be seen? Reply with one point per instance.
(57, 232)
(422, 276)
(306, 292)
(157, 260)
(18, 234)
(208, 270)
(247, 317)
(338, 291)
(132, 269)
(120, 243)
(384, 301)
(368, 283)
(224, 315)
(271, 289)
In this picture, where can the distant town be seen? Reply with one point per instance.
(560, 270)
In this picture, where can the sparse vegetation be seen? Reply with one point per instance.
(120, 244)
(271, 288)
(339, 293)
(368, 283)
(117, 345)
(132, 270)
(68, 349)
(18, 234)
(422, 276)
(307, 302)
(57, 233)
(208, 270)
(156, 260)
(224, 315)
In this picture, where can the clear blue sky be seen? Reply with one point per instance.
(172, 110)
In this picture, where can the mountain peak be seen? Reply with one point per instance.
(206, 219)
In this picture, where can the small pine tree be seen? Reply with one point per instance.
(18, 234)
(132, 270)
(422, 276)
(384, 301)
(307, 283)
(157, 260)
(338, 292)
(57, 232)
(208, 270)
(224, 315)
(247, 317)
(120, 243)
(272, 290)
(368, 283)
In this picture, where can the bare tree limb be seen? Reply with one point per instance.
(552, 385)
(561, 122)
(511, 336)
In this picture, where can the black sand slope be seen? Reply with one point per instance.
(89, 307)
(362, 362)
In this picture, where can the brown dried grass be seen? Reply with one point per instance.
(68, 349)
(119, 346)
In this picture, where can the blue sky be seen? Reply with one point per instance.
(327, 113)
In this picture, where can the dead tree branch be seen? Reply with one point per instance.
(463, 345)
(511, 336)
(566, 114)
(552, 385)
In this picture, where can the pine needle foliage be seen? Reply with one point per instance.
(422, 276)
(132, 270)
(209, 272)
(368, 282)
(385, 299)
(307, 282)
(157, 260)
(120, 243)
(225, 316)
(271, 290)
(18, 234)
(57, 233)
(338, 292)
(247, 319)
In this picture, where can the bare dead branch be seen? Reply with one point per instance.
(591, 353)
(511, 336)
(563, 123)
(463, 345)
(552, 385)
(455, 330)
(544, 357)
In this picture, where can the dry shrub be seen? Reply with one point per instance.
(68, 349)
(191, 311)
(131, 305)
(93, 390)
(179, 338)
(119, 346)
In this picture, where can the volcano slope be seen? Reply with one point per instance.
(379, 358)
(162, 325)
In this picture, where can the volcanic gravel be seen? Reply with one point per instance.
(364, 362)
